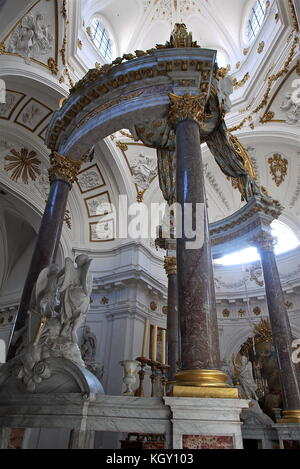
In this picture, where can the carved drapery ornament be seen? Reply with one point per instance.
(278, 168)
(264, 241)
(186, 107)
(170, 265)
(63, 168)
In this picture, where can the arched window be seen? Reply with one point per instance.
(256, 19)
(101, 39)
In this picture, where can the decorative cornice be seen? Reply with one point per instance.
(63, 168)
(170, 265)
(186, 107)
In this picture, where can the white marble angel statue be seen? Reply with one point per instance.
(75, 292)
(246, 381)
(45, 294)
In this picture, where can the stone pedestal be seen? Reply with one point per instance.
(206, 423)
(179, 422)
(289, 435)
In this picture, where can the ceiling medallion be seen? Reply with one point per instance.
(23, 164)
(278, 168)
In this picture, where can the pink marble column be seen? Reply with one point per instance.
(196, 294)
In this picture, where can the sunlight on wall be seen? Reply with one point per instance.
(286, 241)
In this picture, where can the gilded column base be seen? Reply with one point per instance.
(290, 416)
(203, 383)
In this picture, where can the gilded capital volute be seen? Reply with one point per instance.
(63, 168)
(186, 107)
(264, 241)
(170, 265)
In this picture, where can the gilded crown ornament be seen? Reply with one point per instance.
(186, 107)
(63, 168)
(180, 38)
(170, 265)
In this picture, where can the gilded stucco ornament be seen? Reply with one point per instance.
(170, 265)
(264, 241)
(24, 164)
(186, 107)
(278, 168)
(63, 168)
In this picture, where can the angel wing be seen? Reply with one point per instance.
(85, 278)
(69, 272)
(43, 281)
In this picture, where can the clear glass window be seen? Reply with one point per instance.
(256, 19)
(101, 39)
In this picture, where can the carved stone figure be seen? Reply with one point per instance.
(291, 108)
(88, 346)
(75, 294)
(225, 89)
(88, 352)
(59, 304)
(142, 171)
(32, 37)
(246, 384)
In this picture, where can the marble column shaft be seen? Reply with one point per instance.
(172, 325)
(289, 372)
(196, 294)
(46, 243)
(62, 173)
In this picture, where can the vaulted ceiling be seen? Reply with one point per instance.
(262, 116)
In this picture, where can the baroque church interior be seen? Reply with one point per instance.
(111, 112)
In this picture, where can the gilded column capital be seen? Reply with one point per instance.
(170, 265)
(63, 168)
(264, 241)
(186, 107)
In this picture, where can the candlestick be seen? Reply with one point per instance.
(146, 333)
(163, 347)
(154, 343)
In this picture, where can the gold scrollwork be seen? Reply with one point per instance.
(186, 107)
(278, 168)
(63, 168)
(238, 84)
(261, 47)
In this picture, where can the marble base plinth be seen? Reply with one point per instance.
(206, 423)
(204, 392)
(203, 421)
(288, 435)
